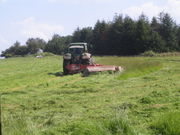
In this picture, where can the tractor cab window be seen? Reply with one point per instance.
(76, 50)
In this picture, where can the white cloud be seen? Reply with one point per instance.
(4, 43)
(173, 7)
(30, 27)
(3, 40)
(151, 9)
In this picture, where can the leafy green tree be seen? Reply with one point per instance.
(77, 35)
(15, 50)
(142, 35)
(57, 44)
(115, 35)
(155, 25)
(156, 43)
(178, 38)
(127, 45)
(82, 35)
(34, 44)
(100, 38)
(21, 50)
(168, 31)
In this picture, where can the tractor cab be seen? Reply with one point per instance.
(76, 50)
(78, 47)
(77, 53)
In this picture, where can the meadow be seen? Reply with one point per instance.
(36, 99)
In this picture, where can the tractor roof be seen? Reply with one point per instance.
(78, 43)
(76, 46)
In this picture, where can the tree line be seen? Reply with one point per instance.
(121, 36)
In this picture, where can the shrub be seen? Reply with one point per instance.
(47, 54)
(8, 55)
(149, 53)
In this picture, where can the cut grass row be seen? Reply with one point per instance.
(38, 101)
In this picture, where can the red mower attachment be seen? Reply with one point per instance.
(87, 69)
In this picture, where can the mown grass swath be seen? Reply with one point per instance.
(38, 99)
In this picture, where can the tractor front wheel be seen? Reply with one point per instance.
(65, 70)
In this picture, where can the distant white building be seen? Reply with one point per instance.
(39, 51)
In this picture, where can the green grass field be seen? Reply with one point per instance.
(37, 99)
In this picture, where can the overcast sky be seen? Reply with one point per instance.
(22, 19)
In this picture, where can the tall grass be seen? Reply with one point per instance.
(114, 125)
(133, 66)
(20, 125)
(168, 124)
(119, 126)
